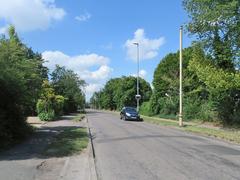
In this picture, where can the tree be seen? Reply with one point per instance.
(50, 105)
(217, 24)
(165, 98)
(223, 86)
(68, 84)
(119, 92)
(22, 74)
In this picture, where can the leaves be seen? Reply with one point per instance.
(121, 92)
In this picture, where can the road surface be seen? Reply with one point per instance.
(141, 151)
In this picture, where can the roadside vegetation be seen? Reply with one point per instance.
(26, 90)
(79, 117)
(69, 142)
(119, 92)
(228, 134)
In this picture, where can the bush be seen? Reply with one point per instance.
(47, 116)
(13, 125)
(195, 109)
(49, 106)
(145, 109)
(169, 106)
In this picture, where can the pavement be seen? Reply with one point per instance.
(26, 162)
(128, 150)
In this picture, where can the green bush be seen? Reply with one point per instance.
(49, 106)
(169, 105)
(47, 115)
(58, 105)
(145, 109)
(195, 109)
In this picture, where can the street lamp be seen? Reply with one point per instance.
(180, 81)
(138, 96)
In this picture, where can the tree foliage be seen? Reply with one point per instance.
(121, 92)
(22, 74)
(50, 105)
(217, 24)
(68, 84)
(165, 98)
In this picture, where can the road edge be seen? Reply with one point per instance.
(91, 155)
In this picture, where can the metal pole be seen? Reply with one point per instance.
(137, 97)
(138, 76)
(180, 81)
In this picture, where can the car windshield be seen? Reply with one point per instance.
(131, 110)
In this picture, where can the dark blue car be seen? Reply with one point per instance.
(129, 113)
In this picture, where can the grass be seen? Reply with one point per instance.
(228, 135)
(160, 121)
(79, 117)
(70, 141)
(232, 135)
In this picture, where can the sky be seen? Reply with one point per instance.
(94, 38)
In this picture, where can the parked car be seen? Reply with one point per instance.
(129, 113)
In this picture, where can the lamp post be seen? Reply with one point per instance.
(138, 96)
(180, 81)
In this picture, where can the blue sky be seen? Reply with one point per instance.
(94, 37)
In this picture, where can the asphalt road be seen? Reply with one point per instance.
(142, 151)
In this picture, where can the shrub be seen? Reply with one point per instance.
(203, 110)
(49, 106)
(47, 115)
(145, 109)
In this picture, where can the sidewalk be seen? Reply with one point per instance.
(26, 161)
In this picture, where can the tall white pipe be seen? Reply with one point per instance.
(180, 82)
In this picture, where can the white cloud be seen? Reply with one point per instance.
(83, 17)
(76, 63)
(102, 73)
(148, 48)
(142, 73)
(91, 88)
(28, 15)
(3, 30)
(82, 65)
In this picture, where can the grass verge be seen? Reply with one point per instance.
(70, 141)
(225, 134)
(228, 135)
(79, 117)
(159, 121)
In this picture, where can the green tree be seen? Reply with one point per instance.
(119, 92)
(50, 105)
(223, 87)
(68, 84)
(22, 74)
(217, 24)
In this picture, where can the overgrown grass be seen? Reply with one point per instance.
(229, 135)
(70, 141)
(232, 135)
(158, 121)
(79, 117)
